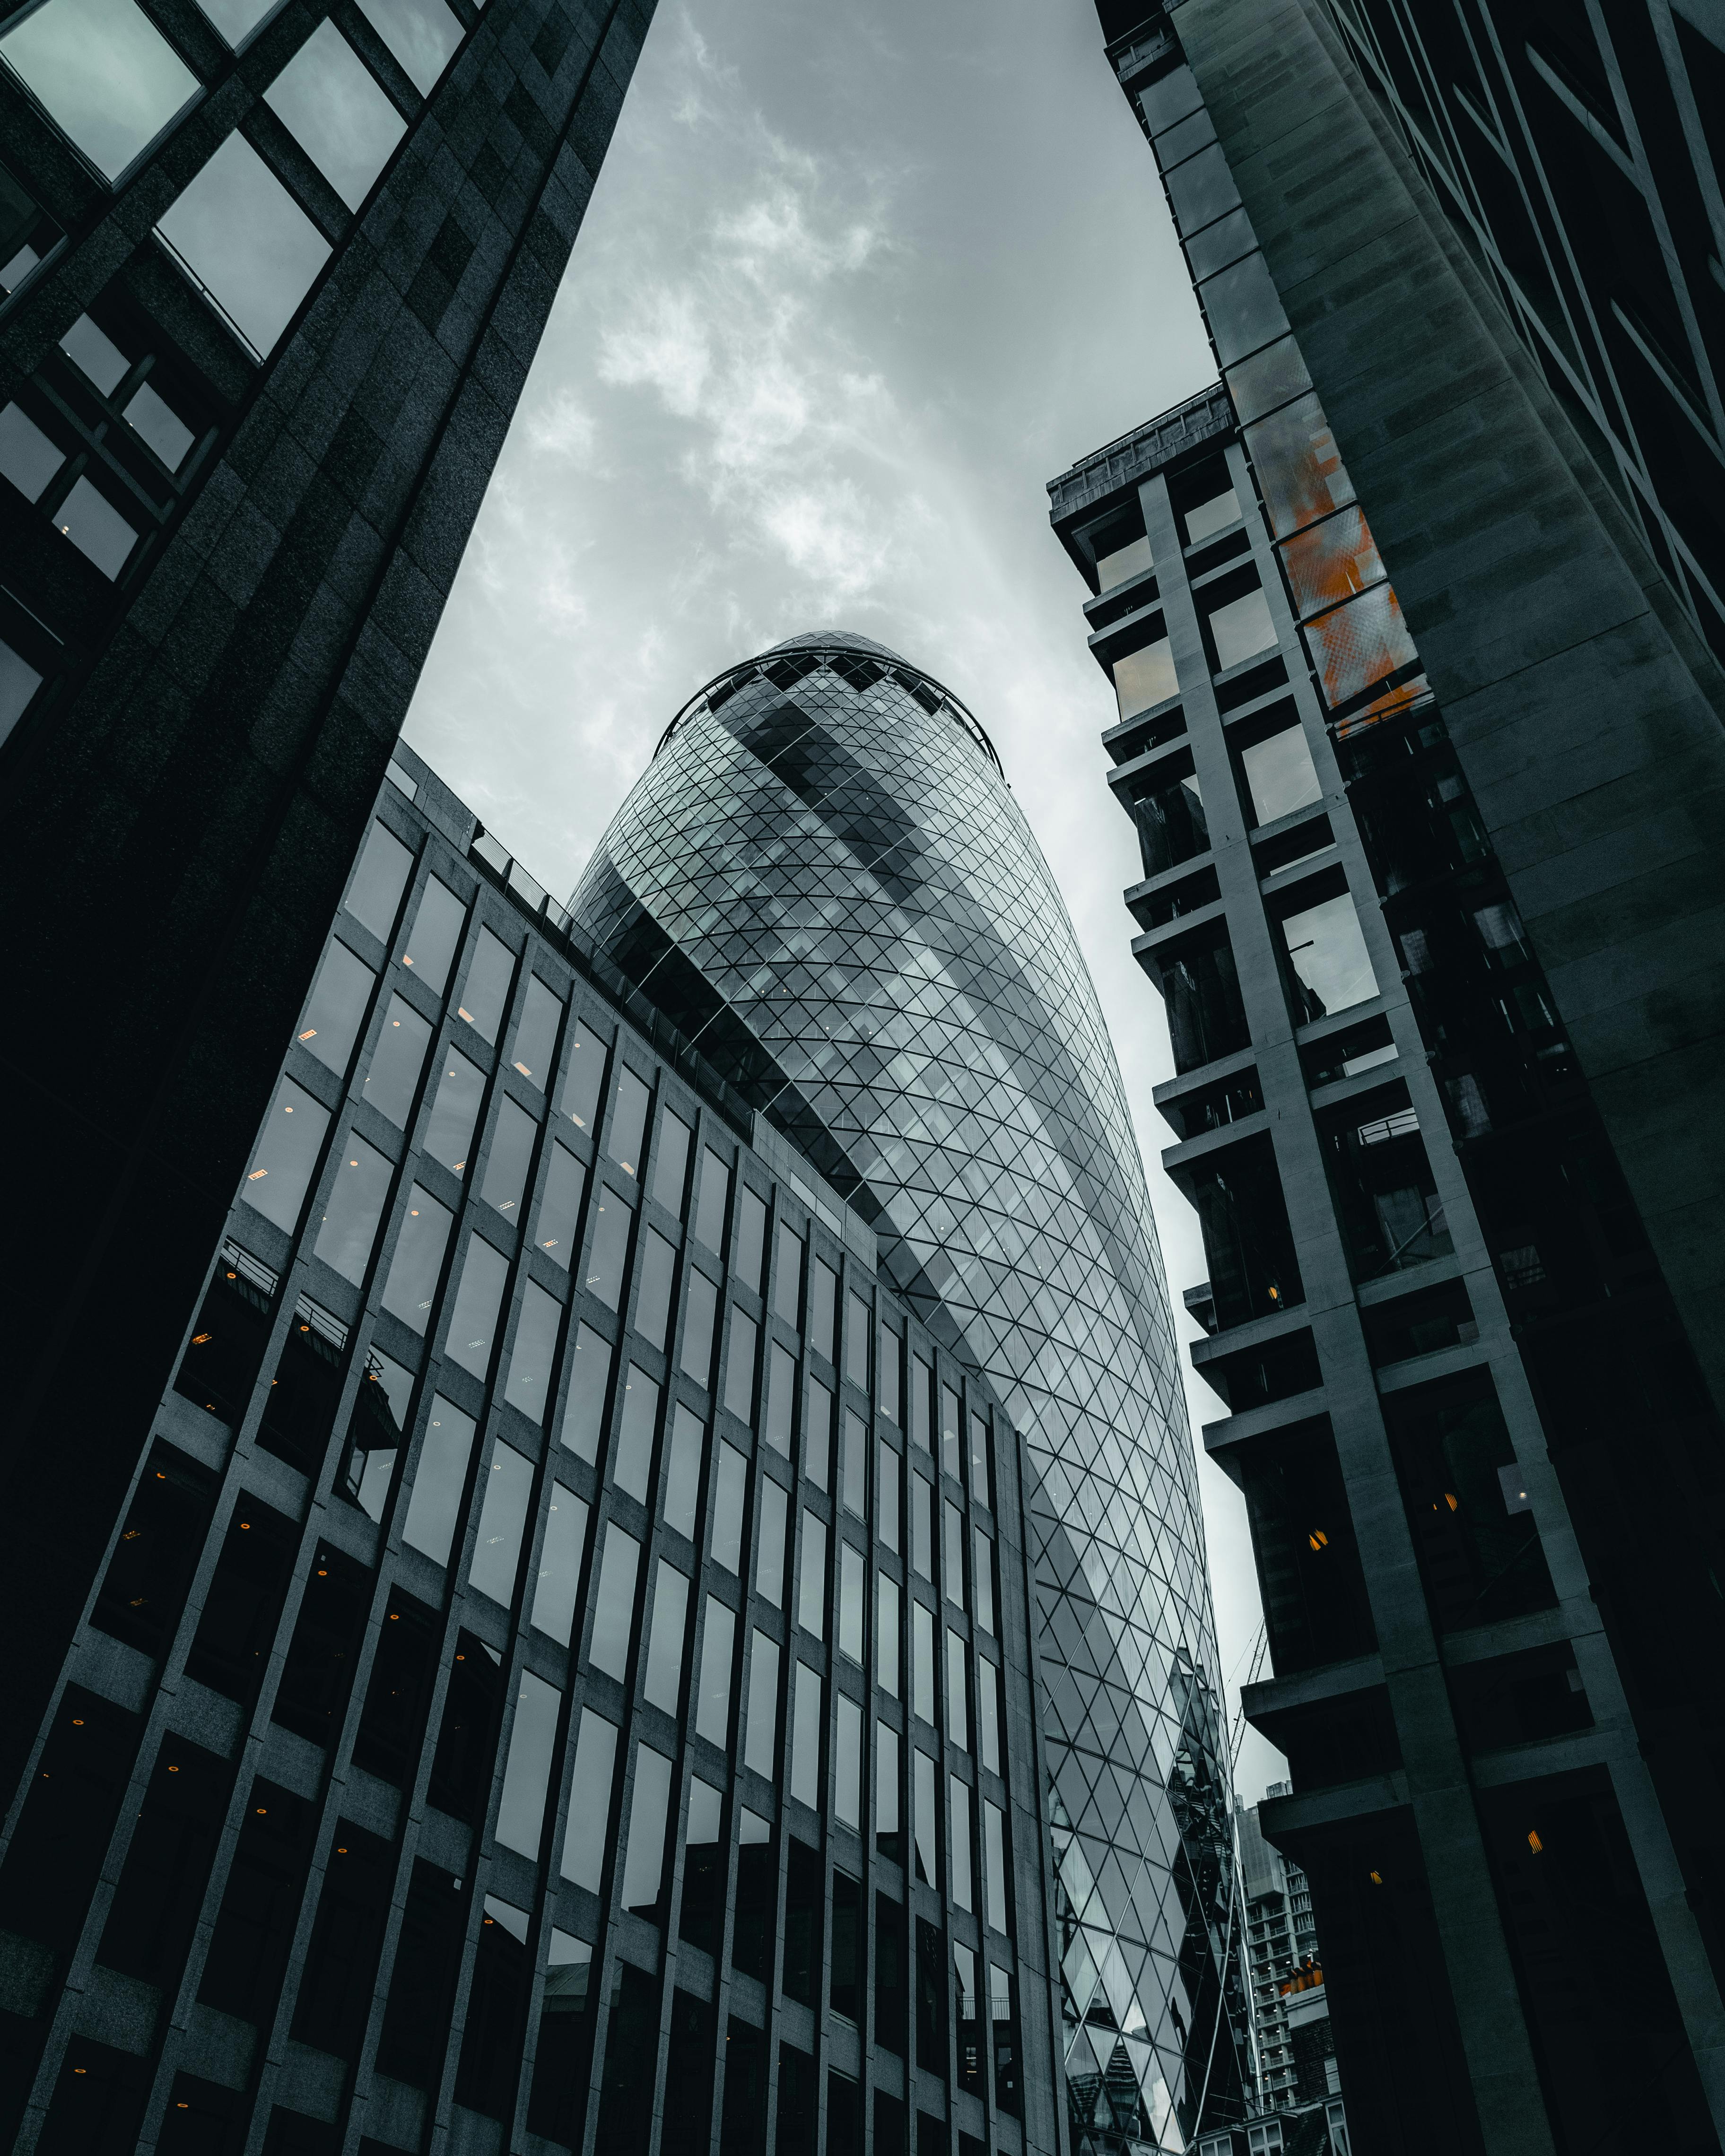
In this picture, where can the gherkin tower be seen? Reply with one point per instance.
(823, 878)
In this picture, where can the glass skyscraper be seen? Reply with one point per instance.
(824, 880)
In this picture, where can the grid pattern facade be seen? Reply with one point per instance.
(825, 879)
(1384, 1124)
(561, 1678)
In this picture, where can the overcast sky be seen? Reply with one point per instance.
(855, 283)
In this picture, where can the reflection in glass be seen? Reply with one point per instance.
(1241, 629)
(787, 1275)
(247, 242)
(854, 1469)
(608, 1248)
(509, 1163)
(958, 1694)
(921, 1385)
(560, 1205)
(652, 1288)
(439, 1480)
(286, 1156)
(236, 19)
(411, 1289)
(105, 73)
(682, 1473)
(632, 1465)
(1280, 775)
(1145, 677)
(712, 1712)
(486, 994)
(330, 101)
(663, 1684)
(808, 1726)
(95, 527)
(354, 1205)
(711, 1202)
(812, 1578)
(988, 1713)
(671, 1162)
(983, 1579)
(506, 1492)
(823, 1308)
(335, 1010)
(748, 1248)
(27, 458)
(454, 1111)
(587, 1831)
(649, 1808)
(585, 1404)
(534, 1353)
(473, 1321)
(1244, 311)
(921, 1662)
(858, 1320)
(781, 1400)
(951, 1457)
(922, 1527)
(423, 34)
(1327, 953)
(728, 1496)
(980, 1478)
(958, 1847)
(376, 1432)
(888, 1827)
(925, 1821)
(886, 1633)
(378, 881)
(392, 1079)
(1299, 469)
(769, 1545)
(818, 1433)
(583, 1076)
(158, 426)
(886, 1504)
(628, 1133)
(850, 1602)
(614, 1621)
(1130, 560)
(560, 1554)
(536, 1033)
(953, 1521)
(847, 1763)
(526, 1773)
(701, 1319)
(761, 1738)
(994, 1863)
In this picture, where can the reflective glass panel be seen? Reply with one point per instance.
(889, 1377)
(740, 1367)
(671, 1162)
(953, 1520)
(331, 102)
(485, 995)
(748, 1247)
(886, 1504)
(104, 72)
(857, 1322)
(286, 1156)
(781, 1400)
(980, 1479)
(158, 426)
(712, 1713)
(423, 34)
(959, 1881)
(682, 1473)
(1300, 470)
(614, 1620)
(628, 1131)
(1280, 775)
(336, 1011)
(1327, 953)
(700, 1318)
(583, 1076)
(888, 1825)
(847, 1763)
(607, 1248)
(654, 1264)
(536, 1033)
(560, 1205)
(527, 1774)
(649, 1808)
(984, 1577)
(710, 1201)
(850, 1602)
(787, 1275)
(664, 1681)
(921, 1383)
(27, 458)
(631, 1465)
(808, 1727)
(886, 1633)
(926, 1818)
(439, 1480)
(585, 1404)
(994, 1863)
(923, 1662)
(354, 1205)
(1243, 309)
(505, 1493)
(854, 1465)
(247, 242)
(1145, 677)
(473, 1321)
(922, 1527)
(958, 1694)
(587, 1831)
(558, 1579)
(812, 1577)
(1241, 629)
(532, 1356)
(454, 1111)
(987, 1705)
(818, 1433)
(761, 1737)
(412, 1287)
(951, 1458)
(728, 1496)
(392, 1081)
(769, 1542)
(823, 1308)
(378, 1430)
(378, 881)
(95, 527)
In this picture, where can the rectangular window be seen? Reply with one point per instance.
(505, 1493)
(710, 1201)
(888, 1827)
(984, 1580)
(348, 1229)
(887, 1634)
(649, 1808)
(987, 1702)
(1240, 628)
(761, 1738)
(608, 1248)
(769, 1545)
(473, 1321)
(374, 894)
(435, 936)
(377, 1433)
(922, 1662)
(787, 1277)
(958, 1877)
(887, 1506)
(533, 1353)
(583, 1078)
(509, 1163)
(890, 1375)
(954, 1565)
(670, 1162)
(663, 1682)
(486, 995)
(527, 1774)
(812, 1579)
(632, 1462)
(740, 1367)
(981, 1481)
(925, 1818)
(850, 1602)
(854, 1467)
(958, 1694)
(700, 1317)
(921, 1388)
(1280, 774)
(823, 1309)
(584, 1403)
(682, 1473)
(560, 1554)
(454, 1111)
(780, 1400)
(922, 1527)
(703, 1868)
(334, 1012)
(391, 1081)
(857, 1322)
(1144, 678)
(728, 1496)
(439, 1480)
(712, 1713)
(536, 1033)
(1327, 956)
(589, 1831)
(950, 1460)
(286, 1157)
(630, 1102)
(994, 1863)
(847, 1764)
(818, 1434)
(411, 1289)
(808, 1726)
(748, 1243)
(614, 1621)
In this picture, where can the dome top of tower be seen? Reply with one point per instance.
(836, 639)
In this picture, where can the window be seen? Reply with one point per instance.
(728, 1496)
(710, 1201)
(808, 1727)
(95, 527)
(608, 1248)
(158, 426)
(330, 101)
(527, 1774)
(588, 1831)
(630, 1102)
(1122, 550)
(454, 1111)
(632, 1461)
(818, 1433)
(781, 1400)
(650, 1811)
(682, 1473)
(787, 1275)
(980, 1479)
(812, 1577)
(560, 1554)
(854, 1471)
(987, 1714)
(560, 1205)
(761, 1736)
(378, 881)
(246, 243)
(921, 1391)
(392, 1082)
(583, 1076)
(954, 1522)
(740, 1368)
(890, 1375)
(1241, 629)
(614, 1621)
(485, 996)
(1244, 311)
(847, 1764)
(922, 1662)
(712, 1713)
(984, 1579)
(886, 1504)
(19, 682)
(994, 1863)
(473, 1321)
(850, 1602)
(950, 1456)
(663, 1682)
(925, 1821)
(1145, 677)
(888, 1828)
(412, 1286)
(886, 1633)
(336, 1010)
(354, 1205)
(769, 1545)
(423, 34)
(104, 74)
(439, 1480)
(671, 1163)
(584, 1404)
(505, 1493)
(958, 1694)
(922, 1527)
(536, 1033)
(1280, 775)
(286, 1156)
(748, 1246)
(959, 1813)
(700, 1320)
(1327, 955)
(823, 1308)
(28, 458)
(857, 1327)
(655, 1265)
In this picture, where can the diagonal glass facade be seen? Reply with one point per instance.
(823, 879)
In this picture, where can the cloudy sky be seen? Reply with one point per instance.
(855, 283)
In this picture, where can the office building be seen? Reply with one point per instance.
(825, 882)
(1281, 1956)
(562, 1672)
(273, 278)
(1421, 743)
